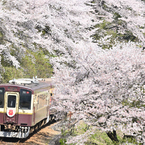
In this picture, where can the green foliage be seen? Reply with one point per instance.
(134, 103)
(1, 37)
(112, 32)
(130, 140)
(116, 16)
(44, 50)
(12, 52)
(81, 129)
(129, 8)
(128, 35)
(97, 138)
(4, 2)
(58, 52)
(28, 66)
(106, 28)
(96, 36)
(62, 141)
(44, 31)
(40, 67)
(1, 34)
(32, 64)
(121, 22)
(100, 138)
(5, 63)
(11, 73)
(103, 25)
(93, 1)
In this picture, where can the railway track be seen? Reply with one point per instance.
(41, 137)
(46, 135)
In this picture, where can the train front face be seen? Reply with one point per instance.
(15, 111)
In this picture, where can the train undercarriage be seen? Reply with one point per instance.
(13, 131)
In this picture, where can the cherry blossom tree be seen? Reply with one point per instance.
(105, 87)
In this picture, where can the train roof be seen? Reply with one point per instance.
(30, 84)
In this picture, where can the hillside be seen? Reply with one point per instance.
(94, 49)
(56, 27)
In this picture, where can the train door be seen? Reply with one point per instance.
(11, 107)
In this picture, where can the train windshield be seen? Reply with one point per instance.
(11, 101)
(2, 91)
(25, 99)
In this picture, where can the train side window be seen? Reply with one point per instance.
(2, 91)
(25, 99)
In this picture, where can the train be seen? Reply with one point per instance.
(24, 106)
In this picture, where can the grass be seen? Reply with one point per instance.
(97, 138)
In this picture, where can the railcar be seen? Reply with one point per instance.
(24, 106)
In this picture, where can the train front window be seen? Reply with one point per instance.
(2, 91)
(11, 101)
(25, 99)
